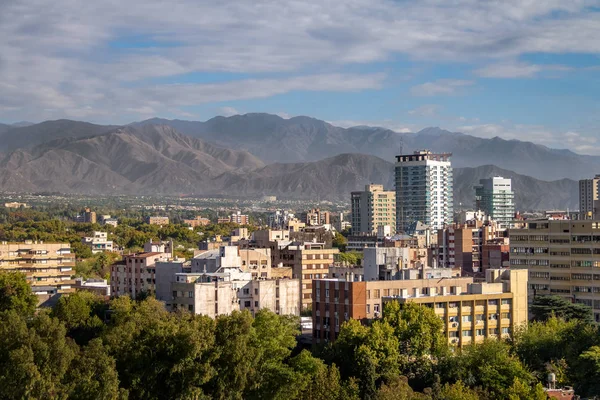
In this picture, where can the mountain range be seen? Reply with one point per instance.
(257, 154)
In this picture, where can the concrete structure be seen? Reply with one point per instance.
(135, 273)
(495, 254)
(165, 274)
(96, 286)
(387, 263)
(315, 217)
(562, 258)
(308, 261)
(108, 220)
(222, 293)
(48, 267)
(278, 219)
(589, 197)
(461, 246)
(87, 216)
(156, 220)
(490, 309)
(336, 301)
(239, 218)
(15, 204)
(372, 208)
(470, 311)
(98, 243)
(346, 273)
(255, 261)
(198, 221)
(424, 190)
(495, 197)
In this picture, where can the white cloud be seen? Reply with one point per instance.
(78, 53)
(227, 111)
(510, 70)
(427, 110)
(440, 87)
(387, 124)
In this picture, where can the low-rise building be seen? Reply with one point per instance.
(48, 267)
(387, 263)
(98, 243)
(470, 311)
(15, 204)
(87, 216)
(228, 290)
(96, 286)
(198, 221)
(156, 220)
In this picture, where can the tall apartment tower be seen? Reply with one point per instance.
(372, 208)
(495, 197)
(589, 198)
(423, 189)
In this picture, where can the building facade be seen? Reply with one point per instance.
(198, 221)
(315, 217)
(424, 190)
(87, 216)
(470, 311)
(495, 197)
(589, 197)
(155, 220)
(372, 208)
(48, 267)
(562, 257)
(98, 243)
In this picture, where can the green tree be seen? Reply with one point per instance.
(398, 389)
(339, 241)
(489, 365)
(521, 391)
(456, 391)
(418, 329)
(81, 313)
(316, 380)
(15, 293)
(590, 368)
(544, 307)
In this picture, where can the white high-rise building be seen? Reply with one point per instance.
(495, 197)
(424, 189)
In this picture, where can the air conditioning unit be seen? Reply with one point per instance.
(454, 341)
(455, 324)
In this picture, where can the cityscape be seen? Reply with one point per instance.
(300, 200)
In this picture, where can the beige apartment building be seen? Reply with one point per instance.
(562, 257)
(308, 261)
(222, 293)
(470, 311)
(157, 220)
(372, 208)
(198, 221)
(47, 266)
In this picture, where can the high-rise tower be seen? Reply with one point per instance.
(424, 189)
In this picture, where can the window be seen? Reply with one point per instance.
(190, 307)
(480, 317)
(493, 331)
(467, 318)
(368, 309)
(506, 301)
(327, 293)
(190, 294)
(256, 304)
(467, 333)
(480, 332)
(376, 308)
(505, 331)
(174, 293)
(255, 290)
(493, 302)
(247, 303)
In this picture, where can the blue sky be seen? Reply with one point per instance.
(518, 69)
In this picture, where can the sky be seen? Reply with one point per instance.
(518, 69)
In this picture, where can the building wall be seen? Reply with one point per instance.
(48, 267)
(256, 261)
(562, 258)
(157, 220)
(424, 190)
(135, 274)
(372, 208)
(495, 197)
(588, 198)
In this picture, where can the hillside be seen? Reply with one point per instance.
(299, 139)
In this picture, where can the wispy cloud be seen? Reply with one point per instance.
(426, 110)
(440, 87)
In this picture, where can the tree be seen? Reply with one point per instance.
(456, 391)
(81, 313)
(15, 293)
(544, 307)
(488, 365)
(399, 389)
(316, 379)
(339, 241)
(418, 329)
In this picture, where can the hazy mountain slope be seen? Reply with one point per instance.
(153, 159)
(33, 135)
(4, 128)
(299, 139)
(530, 193)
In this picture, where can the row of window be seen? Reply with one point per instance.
(478, 332)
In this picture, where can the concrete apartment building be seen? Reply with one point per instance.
(315, 217)
(424, 190)
(108, 220)
(198, 221)
(239, 218)
(388, 263)
(461, 245)
(155, 220)
(215, 294)
(48, 267)
(589, 197)
(98, 243)
(308, 261)
(87, 216)
(372, 208)
(337, 300)
(470, 311)
(255, 261)
(135, 273)
(97, 286)
(495, 197)
(562, 257)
